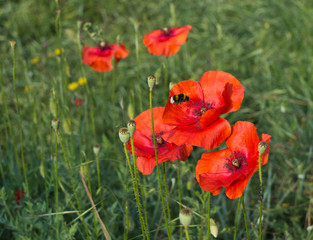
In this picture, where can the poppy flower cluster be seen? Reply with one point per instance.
(192, 117)
(100, 57)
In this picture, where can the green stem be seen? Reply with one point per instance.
(72, 181)
(187, 234)
(179, 196)
(209, 217)
(244, 215)
(56, 176)
(145, 223)
(20, 123)
(261, 197)
(236, 219)
(138, 65)
(158, 169)
(136, 193)
(126, 222)
(166, 193)
(166, 86)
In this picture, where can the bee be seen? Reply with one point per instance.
(179, 98)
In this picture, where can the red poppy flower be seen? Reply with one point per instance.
(143, 142)
(78, 102)
(233, 167)
(19, 195)
(120, 51)
(196, 112)
(166, 42)
(100, 58)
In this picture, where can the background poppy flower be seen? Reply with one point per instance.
(143, 142)
(100, 58)
(197, 120)
(120, 51)
(19, 195)
(233, 167)
(166, 42)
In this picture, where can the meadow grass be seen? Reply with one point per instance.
(267, 45)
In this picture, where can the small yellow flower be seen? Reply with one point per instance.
(266, 25)
(82, 81)
(35, 60)
(27, 89)
(58, 51)
(72, 86)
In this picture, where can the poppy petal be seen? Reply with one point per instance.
(183, 113)
(208, 138)
(143, 122)
(244, 139)
(145, 165)
(179, 34)
(222, 89)
(236, 189)
(266, 138)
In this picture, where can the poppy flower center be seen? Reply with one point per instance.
(235, 161)
(159, 140)
(201, 108)
(103, 46)
(166, 31)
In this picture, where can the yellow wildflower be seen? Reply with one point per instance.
(72, 86)
(35, 60)
(58, 51)
(82, 81)
(266, 25)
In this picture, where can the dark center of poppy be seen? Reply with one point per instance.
(166, 31)
(159, 140)
(103, 45)
(201, 108)
(235, 161)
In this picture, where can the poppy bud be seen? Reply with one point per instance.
(12, 43)
(172, 84)
(151, 81)
(124, 135)
(213, 228)
(84, 170)
(185, 216)
(131, 126)
(53, 107)
(130, 111)
(262, 147)
(55, 124)
(96, 149)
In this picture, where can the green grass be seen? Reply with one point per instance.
(266, 45)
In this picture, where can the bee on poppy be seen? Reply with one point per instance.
(179, 98)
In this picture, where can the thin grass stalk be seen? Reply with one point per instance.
(144, 205)
(136, 193)
(113, 91)
(209, 217)
(158, 169)
(179, 196)
(244, 216)
(236, 218)
(145, 223)
(56, 166)
(90, 191)
(166, 86)
(72, 181)
(138, 65)
(19, 120)
(166, 194)
(261, 197)
(104, 230)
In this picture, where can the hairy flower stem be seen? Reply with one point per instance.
(244, 215)
(145, 223)
(236, 218)
(187, 234)
(142, 223)
(166, 80)
(72, 181)
(158, 170)
(179, 196)
(19, 121)
(166, 193)
(209, 217)
(261, 197)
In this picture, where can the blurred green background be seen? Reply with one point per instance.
(267, 45)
